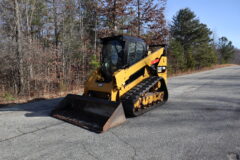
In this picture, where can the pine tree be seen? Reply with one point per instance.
(188, 30)
(204, 56)
(225, 50)
(175, 56)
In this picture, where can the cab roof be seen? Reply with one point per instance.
(123, 38)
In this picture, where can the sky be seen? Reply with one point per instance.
(221, 16)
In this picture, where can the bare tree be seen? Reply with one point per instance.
(19, 51)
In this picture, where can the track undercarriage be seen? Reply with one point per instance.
(150, 93)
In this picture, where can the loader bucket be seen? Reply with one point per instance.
(94, 114)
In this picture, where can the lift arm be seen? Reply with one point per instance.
(123, 75)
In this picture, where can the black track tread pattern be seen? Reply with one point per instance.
(132, 96)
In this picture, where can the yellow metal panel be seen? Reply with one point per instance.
(164, 75)
(131, 85)
(123, 75)
(92, 85)
(163, 62)
(114, 95)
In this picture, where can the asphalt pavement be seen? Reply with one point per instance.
(201, 121)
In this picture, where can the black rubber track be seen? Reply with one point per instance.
(132, 96)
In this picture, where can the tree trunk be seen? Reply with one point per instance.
(56, 34)
(19, 52)
(95, 36)
(114, 16)
(139, 21)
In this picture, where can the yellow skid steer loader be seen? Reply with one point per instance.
(130, 81)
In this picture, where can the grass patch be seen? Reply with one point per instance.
(8, 97)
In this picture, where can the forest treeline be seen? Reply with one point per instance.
(49, 46)
(192, 45)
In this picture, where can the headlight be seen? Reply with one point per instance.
(161, 69)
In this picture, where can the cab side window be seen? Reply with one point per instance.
(131, 53)
(136, 52)
(139, 51)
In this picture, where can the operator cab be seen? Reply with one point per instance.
(121, 52)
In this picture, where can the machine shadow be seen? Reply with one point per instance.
(39, 107)
(14, 104)
(44, 108)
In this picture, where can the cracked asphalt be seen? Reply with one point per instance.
(201, 120)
